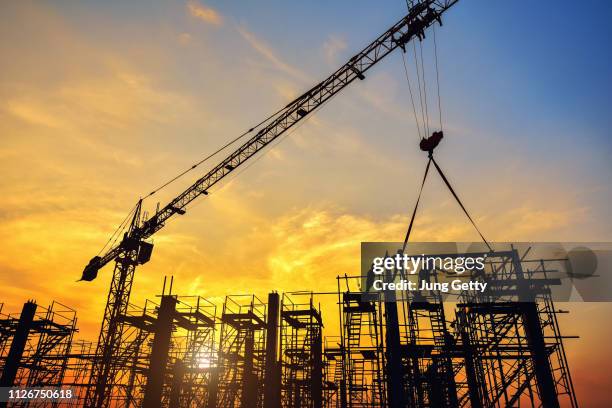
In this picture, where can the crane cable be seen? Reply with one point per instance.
(219, 150)
(416, 206)
(423, 83)
(423, 125)
(459, 202)
(419, 62)
(433, 28)
(420, 88)
(117, 233)
(118, 230)
(425, 118)
(272, 146)
(416, 118)
(452, 190)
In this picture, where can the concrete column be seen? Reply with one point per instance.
(159, 352)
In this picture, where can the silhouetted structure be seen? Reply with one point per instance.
(301, 352)
(36, 347)
(241, 357)
(496, 348)
(500, 348)
(78, 371)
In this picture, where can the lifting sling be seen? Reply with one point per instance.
(428, 145)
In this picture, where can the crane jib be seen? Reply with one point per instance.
(420, 17)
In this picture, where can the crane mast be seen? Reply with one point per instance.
(134, 249)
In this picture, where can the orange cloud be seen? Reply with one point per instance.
(203, 13)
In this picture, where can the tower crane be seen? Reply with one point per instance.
(134, 249)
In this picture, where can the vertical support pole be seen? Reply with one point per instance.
(213, 388)
(272, 386)
(177, 383)
(447, 362)
(435, 388)
(543, 372)
(535, 338)
(249, 386)
(470, 368)
(297, 400)
(395, 386)
(343, 390)
(317, 370)
(159, 352)
(18, 344)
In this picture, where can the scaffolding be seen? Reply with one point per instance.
(499, 348)
(7, 329)
(167, 354)
(192, 354)
(425, 347)
(35, 348)
(301, 351)
(239, 378)
(404, 348)
(361, 351)
(510, 337)
(130, 362)
(333, 387)
(78, 372)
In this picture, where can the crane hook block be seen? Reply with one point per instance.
(430, 143)
(91, 270)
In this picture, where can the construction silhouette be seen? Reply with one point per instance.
(500, 348)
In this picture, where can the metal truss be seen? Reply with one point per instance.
(301, 352)
(240, 367)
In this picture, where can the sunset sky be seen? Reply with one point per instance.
(100, 102)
